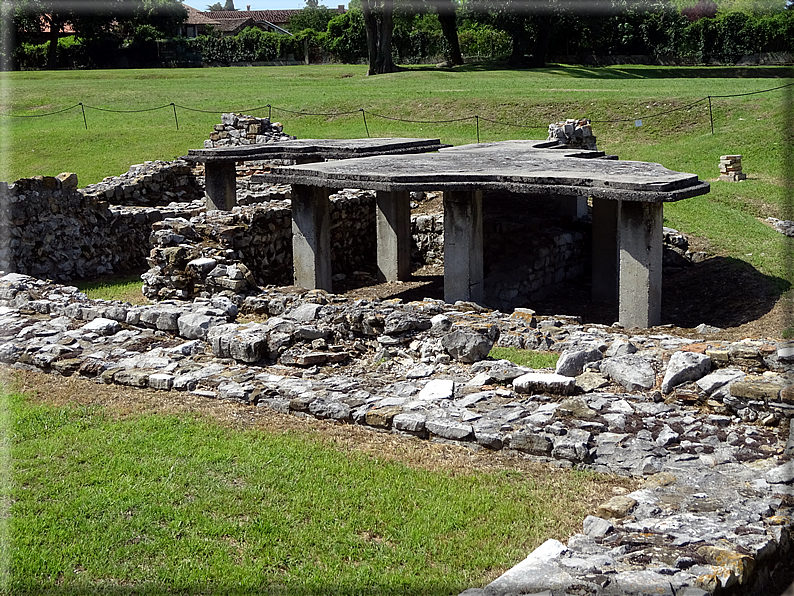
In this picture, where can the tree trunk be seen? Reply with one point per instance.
(52, 49)
(517, 56)
(540, 48)
(449, 26)
(378, 20)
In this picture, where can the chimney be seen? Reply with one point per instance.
(248, 7)
(340, 8)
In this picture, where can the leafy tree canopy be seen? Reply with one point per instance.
(315, 16)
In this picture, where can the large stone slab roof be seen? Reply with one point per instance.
(316, 149)
(520, 166)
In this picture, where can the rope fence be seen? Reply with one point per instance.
(476, 117)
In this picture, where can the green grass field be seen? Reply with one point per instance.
(181, 504)
(757, 126)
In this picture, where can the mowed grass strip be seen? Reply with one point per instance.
(125, 288)
(110, 496)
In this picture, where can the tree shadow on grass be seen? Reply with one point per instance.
(627, 71)
(720, 291)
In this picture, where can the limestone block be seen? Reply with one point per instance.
(684, 367)
(633, 371)
(616, 507)
(544, 383)
(448, 428)
(571, 362)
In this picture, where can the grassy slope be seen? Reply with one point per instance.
(180, 504)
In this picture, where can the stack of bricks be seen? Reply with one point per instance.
(731, 168)
(237, 129)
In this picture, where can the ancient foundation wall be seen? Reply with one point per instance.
(50, 230)
(53, 230)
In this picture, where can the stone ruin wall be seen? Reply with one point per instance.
(57, 231)
(252, 246)
(50, 230)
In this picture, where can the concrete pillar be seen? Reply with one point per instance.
(311, 237)
(604, 257)
(463, 270)
(640, 241)
(220, 185)
(393, 224)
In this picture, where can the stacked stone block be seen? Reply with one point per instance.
(573, 133)
(731, 168)
(238, 129)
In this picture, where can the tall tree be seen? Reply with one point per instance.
(379, 23)
(448, 18)
(94, 19)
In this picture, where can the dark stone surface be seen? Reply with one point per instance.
(517, 166)
(315, 149)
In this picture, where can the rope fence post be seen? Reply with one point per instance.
(269, 112)
(85, 122)
(711, 116)
(477, 123)
(173, 105)
(364, 115)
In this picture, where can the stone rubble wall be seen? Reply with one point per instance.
(251, 246)
(50, 230)
(427, 246)
(239, 129)
(152, 183)
(713, 515)
(557, 256)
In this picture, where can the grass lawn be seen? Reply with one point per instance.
(114, 490)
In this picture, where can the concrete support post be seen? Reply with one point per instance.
(640, 240)
(605, 251)
(463, 268)
(393, 224)
(311, 237)
(220, 185)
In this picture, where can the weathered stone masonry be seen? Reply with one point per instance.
(52, 231)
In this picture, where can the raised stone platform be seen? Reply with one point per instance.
(627, 199)
(219, 161)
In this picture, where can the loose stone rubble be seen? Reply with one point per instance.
(784, 226)
(239, 129)
(573, 133)
(706, 422)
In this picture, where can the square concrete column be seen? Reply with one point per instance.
(393, 224)
(220, 185)
(311, 237)
(463, 269)
(604, 257)
(640, 241)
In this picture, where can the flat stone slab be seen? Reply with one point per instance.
(315, 149)
(519, 166)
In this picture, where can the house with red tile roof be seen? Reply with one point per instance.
(231, 22)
